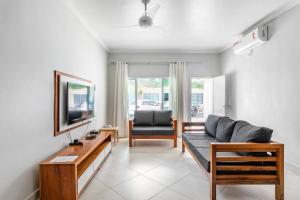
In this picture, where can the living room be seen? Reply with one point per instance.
(182, 100)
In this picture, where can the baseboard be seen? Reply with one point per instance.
(293, 168)
(34, 195)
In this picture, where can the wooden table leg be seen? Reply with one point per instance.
(117, 135)
(114, 137)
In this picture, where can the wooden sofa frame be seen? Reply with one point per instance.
(172, 137)
(276, 150)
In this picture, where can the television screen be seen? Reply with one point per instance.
(80, 102)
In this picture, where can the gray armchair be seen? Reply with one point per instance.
(153, 125)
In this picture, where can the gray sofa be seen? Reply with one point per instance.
(235, 152)
(153, 125)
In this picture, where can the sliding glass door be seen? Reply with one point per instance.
(148, 94)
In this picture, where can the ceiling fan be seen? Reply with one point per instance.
(146, 20)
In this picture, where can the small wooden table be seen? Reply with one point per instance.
(114, 131)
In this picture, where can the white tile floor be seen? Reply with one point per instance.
(154, 170)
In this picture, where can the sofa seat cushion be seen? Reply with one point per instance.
(143, 118)
(141, 130)
(201, 143)
(162, 130)
(211, 125)
(225, 129)
(198, 141)
(163, 118)
(196, 136)
(203, 156)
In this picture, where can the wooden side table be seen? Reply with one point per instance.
(115, 133)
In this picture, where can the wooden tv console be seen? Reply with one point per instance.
(66, 181)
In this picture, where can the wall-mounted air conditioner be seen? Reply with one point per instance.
(251, 40)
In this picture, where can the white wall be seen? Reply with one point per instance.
(264, 88)
(38, 37)
(156, 65)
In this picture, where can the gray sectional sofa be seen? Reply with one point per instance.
(235, 152)
(153, 125)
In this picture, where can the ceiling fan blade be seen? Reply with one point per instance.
(128, 26)
(151, 12)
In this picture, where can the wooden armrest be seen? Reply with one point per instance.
(174, 122)
(130, 125)
(277, 157)
(246, 147)
(187, 126)
(193, 123)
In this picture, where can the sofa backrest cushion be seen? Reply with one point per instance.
(143, 118)
(211, 125)
(246, 132)
(225, 129)
(163, 118)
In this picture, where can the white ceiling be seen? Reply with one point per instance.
(182, 25)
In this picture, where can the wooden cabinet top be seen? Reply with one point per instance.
(82, 151)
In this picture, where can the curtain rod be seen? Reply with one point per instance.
(157, 62)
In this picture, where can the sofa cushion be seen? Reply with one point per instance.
(203, 156)
(211, 125)
(201, 143)
(198, 140)
(245, 132)
(143, 118)
(162, 130)
(225, 129)
(141, 130)
(196, 136)
(163, 118)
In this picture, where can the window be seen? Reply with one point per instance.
(148, 94)
(197, 105)
(151, 96)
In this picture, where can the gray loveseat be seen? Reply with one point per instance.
(153, 125)
(235, 152)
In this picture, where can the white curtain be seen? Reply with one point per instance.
(121, 99)
(179, 93)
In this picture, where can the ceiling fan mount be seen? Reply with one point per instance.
(145, 1)
(146, 20)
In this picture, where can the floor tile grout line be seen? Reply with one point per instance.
(177, 191)
(129, 199)
(161, 163)
(119, 194)
(165, 185)
(157, 194)
(124, 181)
(111, 188)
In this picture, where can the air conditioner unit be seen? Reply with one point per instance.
(251, 40)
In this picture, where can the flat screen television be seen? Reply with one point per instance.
(81, 100)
